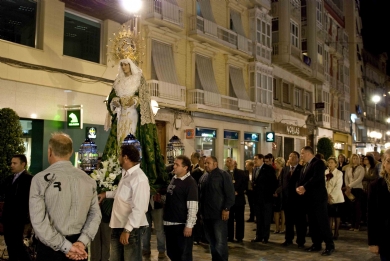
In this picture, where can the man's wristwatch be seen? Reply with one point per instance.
(126, 231)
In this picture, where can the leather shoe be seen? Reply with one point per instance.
(265, 242)
(301, 246)
(327, 251)
(231, 240)
(256, 239)
(286, 243)
(250, 220)
(239, 241)
(313, 249)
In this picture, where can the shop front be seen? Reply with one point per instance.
(342, 143)
(205, 140)
(251, 145)
(231, 145)
(288, 138)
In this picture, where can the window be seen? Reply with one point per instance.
(18, 21)
(325, 96)
(319, 11)
(294, 34)
(307, 100)
(263, 32)
(298, 97)
(82, 37)
(163, 64)
(264, 89)
(276, 90)
(341, 110)
(326, 62)
(275, 30)
(320, 54)
(286, 93)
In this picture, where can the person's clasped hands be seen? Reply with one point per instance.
(77, 251)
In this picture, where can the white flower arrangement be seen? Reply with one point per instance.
(106, 176)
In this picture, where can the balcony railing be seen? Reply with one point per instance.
(333, 122)
(165, 11)
(263, 53)
(341, 125)
(217, 100)
(227, 37)
(168, 93)
(340, 86)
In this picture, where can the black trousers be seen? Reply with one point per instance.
(295, 216)
(13, 236)
(45, 253)
(249, 194)
(319, 224)
(263, 220)
(236, 213)
(179, 247)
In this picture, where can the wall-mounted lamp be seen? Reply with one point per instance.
(154, 106)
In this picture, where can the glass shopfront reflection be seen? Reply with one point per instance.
(205, 141)
(230, 145)
(251, 141)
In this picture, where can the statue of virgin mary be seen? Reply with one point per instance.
(129, 111)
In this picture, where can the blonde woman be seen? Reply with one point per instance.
(278, 212)
(378, 217)
(354, 175)
(334, 182)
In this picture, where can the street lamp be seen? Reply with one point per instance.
(132, 6)
(374, 134)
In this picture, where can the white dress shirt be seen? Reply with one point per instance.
(131, 200)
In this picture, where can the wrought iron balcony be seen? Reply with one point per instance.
(167, 94)
(165, 13)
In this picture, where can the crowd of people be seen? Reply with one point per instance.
(204, 202)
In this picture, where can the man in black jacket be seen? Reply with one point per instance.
(311, 187)
(264, 186)
(15, 212)
(216, 199)
(237, 211)
(292, 203)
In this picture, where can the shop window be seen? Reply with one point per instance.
(18, 21)
(82, 37)
(205, 141)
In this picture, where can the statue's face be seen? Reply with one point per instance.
(126, 68)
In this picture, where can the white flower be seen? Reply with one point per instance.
(93, 175)
(110, 187)
(112, 176)
(114, 187)
(105, 164)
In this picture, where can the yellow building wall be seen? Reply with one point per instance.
(49, 52)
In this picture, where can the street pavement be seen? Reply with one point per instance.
(351, 245)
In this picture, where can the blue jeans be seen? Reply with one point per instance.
(216, 234)
(130, 252)
(157, 216)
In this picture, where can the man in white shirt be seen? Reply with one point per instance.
(130, 205)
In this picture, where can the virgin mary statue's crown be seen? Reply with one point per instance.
(126, 44)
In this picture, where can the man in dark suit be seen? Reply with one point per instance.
(15, 212)
(238, 209)
(249, 172)
(195, 156)
(311, 187)
(292, 203)
(264, 186)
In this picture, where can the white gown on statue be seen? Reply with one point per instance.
(125, 88)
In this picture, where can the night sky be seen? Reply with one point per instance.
(376, 26)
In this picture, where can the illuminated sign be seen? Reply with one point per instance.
(91, 132)
(270, 136)
(251, 137)
(231, 135)
(209, 133)
(74, 119)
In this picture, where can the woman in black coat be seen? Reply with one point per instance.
(378, 212)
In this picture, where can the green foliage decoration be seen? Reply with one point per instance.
(325, 146)
(11, 140)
